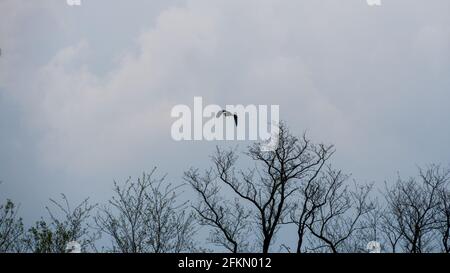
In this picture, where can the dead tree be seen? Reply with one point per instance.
(268, 188)
(64, 225)
(370, 231)
(144, 216)
(11, 228)
(228, 219)
(338, 213)
(306, 205)
(414, 209)
(390, 234)
(444, 218)
(443, 215)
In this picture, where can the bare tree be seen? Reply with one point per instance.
(338, 213)
(267, 188)
(171, 226)
(229, 220)
(389, 231)
(372, 222)
(11, 228)
(310, 198)
(144, 216)
(124, 219)
(414, 206)
(64, 225)
(306, 205)
(370, 231)
(444, 219)
(443, 215)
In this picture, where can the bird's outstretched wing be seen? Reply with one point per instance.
(219, 113)
(223, 112)
(227, 114)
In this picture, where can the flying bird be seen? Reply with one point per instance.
(228, 114)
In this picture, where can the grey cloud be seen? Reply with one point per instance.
(86, 94)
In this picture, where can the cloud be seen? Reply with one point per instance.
(91, 122)
(92, 94)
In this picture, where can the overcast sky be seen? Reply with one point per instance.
(86, 92)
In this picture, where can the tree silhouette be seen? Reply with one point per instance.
(229, 220)
(64, 225)
(268, 188)
(413, 208)
(144, 216)
(11, 228)
(291, 187)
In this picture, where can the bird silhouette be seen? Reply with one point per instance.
(226, 113)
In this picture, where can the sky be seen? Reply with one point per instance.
(86, 91)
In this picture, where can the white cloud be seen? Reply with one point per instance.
(93, 122)
(339, 70)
